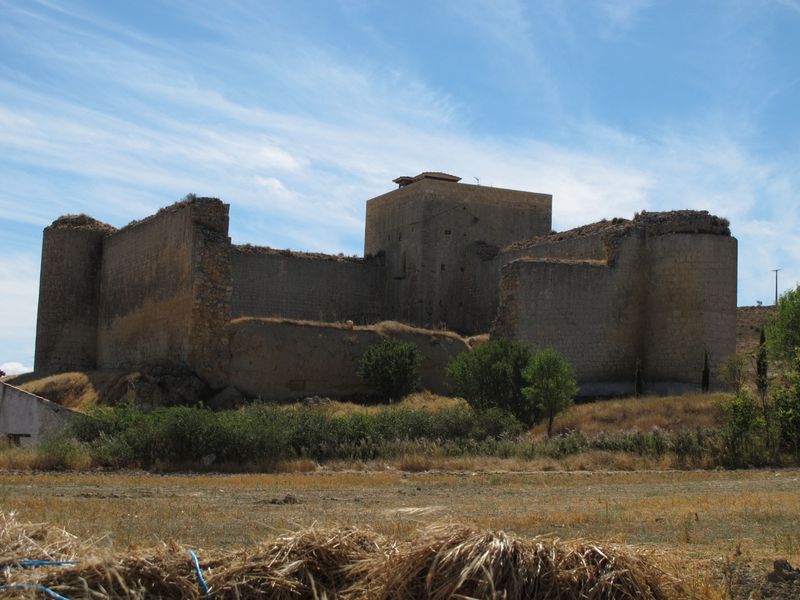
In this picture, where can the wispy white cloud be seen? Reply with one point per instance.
(14, 368)
(622, 15)
(19, 280)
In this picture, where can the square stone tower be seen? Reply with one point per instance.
(439, 238)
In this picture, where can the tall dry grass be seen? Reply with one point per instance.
(670, 413)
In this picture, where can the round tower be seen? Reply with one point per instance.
(66, 330)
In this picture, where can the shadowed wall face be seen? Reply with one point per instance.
(269, 283)
(165, 291)
(588, 311)
(277, 359)
(69, 297)
(146, 292)
(659, 296)
(437, 238)
(691, 306)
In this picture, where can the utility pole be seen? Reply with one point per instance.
(776, 285)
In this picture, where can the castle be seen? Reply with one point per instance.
(448, 259)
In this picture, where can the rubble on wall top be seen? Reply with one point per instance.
(386, 328)
(651, 223)
(81, 222)
(176, 206)
(250, 249)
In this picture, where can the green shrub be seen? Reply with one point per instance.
(783, 329)
(787, 408)
(491, 377)
(551, 386)
(745, 433)
(391, 368)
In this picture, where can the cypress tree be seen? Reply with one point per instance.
(638, 379)
(761, 365)
(706, 374)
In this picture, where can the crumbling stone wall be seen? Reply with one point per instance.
(165, 288)
(297, 285)
(283, 358)
(663, 294)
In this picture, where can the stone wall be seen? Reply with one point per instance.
(663, 293)
(165, 291)
(691, 307)
(66, 326)
(279, 359)
(317, 287)
(437, 236)
(587, 310)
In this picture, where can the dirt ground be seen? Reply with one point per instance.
(707, 514)
(715, 525)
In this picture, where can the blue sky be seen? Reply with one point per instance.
(296, 112)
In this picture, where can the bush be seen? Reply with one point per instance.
(551, 386)
(734, 371)
(783, 330)
(491, 377)
(391, 368)
(787, 408)
(745, 433)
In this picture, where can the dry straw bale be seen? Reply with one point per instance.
(458, 562)
(444, 561)
(32, 541)
(313, 563)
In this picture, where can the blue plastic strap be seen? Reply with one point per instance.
(35, 588)
(199, 573)
(26, 563)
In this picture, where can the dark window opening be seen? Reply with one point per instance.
(15, 439)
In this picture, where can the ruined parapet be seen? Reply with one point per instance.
(66, 327)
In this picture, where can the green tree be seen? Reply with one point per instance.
(551, 385)
(787, 407)
(638, 379)
(490, 376)
(391, 368)
(783, 329)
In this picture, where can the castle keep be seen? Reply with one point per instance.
(445, 258)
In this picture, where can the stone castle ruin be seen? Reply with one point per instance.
(442, 260)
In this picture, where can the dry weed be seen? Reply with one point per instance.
(447, 561)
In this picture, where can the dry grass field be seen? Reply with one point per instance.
(704, 524)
